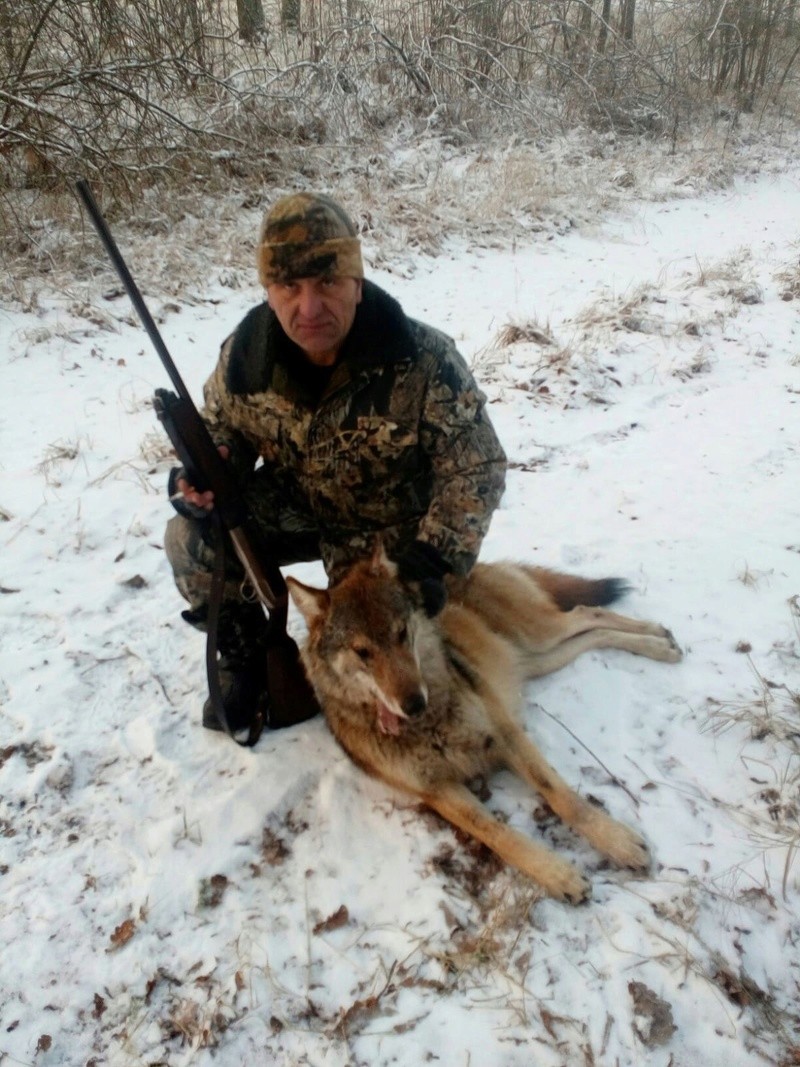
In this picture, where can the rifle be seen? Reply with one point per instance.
(290, 696)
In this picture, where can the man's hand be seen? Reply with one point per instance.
(421, 562)
(185, 498)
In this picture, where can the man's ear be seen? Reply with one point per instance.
(311, 603)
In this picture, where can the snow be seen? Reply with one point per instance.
(169, 898)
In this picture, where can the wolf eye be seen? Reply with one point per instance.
(362, 652)
(402, 635)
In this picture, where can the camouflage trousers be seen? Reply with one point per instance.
(190, 547)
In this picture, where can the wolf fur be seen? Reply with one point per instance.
(427, 704)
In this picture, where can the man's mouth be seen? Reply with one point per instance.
(321, 326)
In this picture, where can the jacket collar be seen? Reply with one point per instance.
(380, 333)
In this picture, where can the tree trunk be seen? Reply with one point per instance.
(602, 36)
(290, 14)
(250, 14)
(628, 14)
(6, 35)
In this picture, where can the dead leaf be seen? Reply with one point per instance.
(733, 988)
(212, 890)
(273, 850)
(361, 1012)
(340, 918)
(99, 1006)
(44, 1043)
(653, 1023)
(136, 582)
(122, 935)
(7, 753)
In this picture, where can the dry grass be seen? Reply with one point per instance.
(530, 332)
(750, 578)
(630, 312)
(788, 280)
(698, 303)
(491, 943)
(409, 187)
(547, 359)
(55, 456)
(701, 363)
(769, 719)
(732, 277)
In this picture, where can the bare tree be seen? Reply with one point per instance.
(250, 15)
(290, 14)
(134, 91)
(602, 33)
(627, 17)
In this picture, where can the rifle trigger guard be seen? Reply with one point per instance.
(247, 592)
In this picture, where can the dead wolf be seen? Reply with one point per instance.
(427, 704)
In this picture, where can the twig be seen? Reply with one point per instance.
(614, 778)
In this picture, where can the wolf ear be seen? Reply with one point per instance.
(380, 562)
(311, 603)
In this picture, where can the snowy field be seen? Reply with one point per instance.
(171, 899)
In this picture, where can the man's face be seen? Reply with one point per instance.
(316, 313)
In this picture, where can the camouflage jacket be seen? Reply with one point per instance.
(398, 442)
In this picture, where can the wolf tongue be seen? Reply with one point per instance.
(388, 722)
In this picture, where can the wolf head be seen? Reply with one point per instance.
(363, 634)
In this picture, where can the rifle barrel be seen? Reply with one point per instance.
(130, 286)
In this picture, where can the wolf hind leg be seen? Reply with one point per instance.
(581, 619)
(661, 647)
(558, 878)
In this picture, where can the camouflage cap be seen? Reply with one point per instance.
(305, 235)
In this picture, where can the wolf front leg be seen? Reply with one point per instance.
(615, 840)
(557, 877)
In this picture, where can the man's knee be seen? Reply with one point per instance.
(190, 548)
(192, 560)
(185, 546)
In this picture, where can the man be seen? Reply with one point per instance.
(342, 420)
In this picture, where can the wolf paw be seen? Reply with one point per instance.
(569, 885)
(626, 848)
(675, 652)
(662, 647)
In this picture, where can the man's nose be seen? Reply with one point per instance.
(309, 302)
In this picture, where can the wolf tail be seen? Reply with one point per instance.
(568, 591)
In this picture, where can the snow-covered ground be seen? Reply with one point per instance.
(169, 898)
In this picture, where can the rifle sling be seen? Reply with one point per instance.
(212, 644)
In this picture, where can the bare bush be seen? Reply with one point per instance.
(130, 89)
(140, 93)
